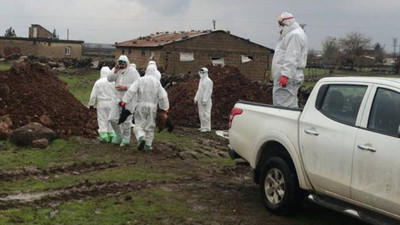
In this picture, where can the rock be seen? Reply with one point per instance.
(4, 92)
(52, 64)
(61, 69)
(46, 121)
(40, 143)
(24, 136)
(5, 127)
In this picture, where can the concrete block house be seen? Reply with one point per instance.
(186, 52)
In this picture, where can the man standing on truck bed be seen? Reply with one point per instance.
(290, 58)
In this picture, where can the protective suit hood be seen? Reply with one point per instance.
(104, 72)
(124, 58)
(203, 72)
(151, 71)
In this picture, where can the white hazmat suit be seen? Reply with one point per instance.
(102, 94)
(290, 58)
(125, 78)
(203, 100)
(149, 93)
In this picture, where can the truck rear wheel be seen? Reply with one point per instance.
(279, 187)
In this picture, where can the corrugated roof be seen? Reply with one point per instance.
(160, 39)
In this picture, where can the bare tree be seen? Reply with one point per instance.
(352, 46)
(330, 49)
(379, 52)
(55, 35)
(10, 32)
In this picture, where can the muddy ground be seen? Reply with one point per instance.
(198, 182)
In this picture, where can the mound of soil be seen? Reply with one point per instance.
(229, 87)
(37, 95)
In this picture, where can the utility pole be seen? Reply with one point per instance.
(67, 34)
(214, 21)
(394, 47)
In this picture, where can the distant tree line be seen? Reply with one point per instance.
(351, 50)
(10, 32)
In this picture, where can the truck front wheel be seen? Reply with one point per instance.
(278, 186)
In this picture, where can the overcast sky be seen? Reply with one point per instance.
(109, 21)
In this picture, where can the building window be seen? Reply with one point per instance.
(143, 53)
(151, 55)
(218, 61)
(67, 50)
(186, 56)
(123, 51)
(246, 58)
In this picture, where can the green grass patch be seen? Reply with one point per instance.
(61, 152)
(145, 207)
(81, 85)
(180, 140)
(4, 66)
(56, 152)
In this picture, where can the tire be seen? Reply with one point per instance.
(279, 187)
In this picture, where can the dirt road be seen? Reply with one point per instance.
(187, 179)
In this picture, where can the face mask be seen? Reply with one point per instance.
(201, 74)
(280, 30)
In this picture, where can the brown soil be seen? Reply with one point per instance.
(229, 87)
(35, 92)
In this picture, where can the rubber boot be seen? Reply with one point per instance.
(148, 148)
(104, 137)
(124, 142)
(111, 135)
(141, 143)
(116, 139)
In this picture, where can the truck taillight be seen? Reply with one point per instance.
(234, 112)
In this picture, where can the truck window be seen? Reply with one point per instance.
(385, 112)
(342, 102)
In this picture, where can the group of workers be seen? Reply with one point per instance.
(121, 90)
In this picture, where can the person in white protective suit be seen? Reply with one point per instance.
(157, 74)
(290, 58)
(124, 75)
(149, 94)
(102, 94)
(203, 100)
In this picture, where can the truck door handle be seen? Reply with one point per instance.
(311, 131)
(366, 148)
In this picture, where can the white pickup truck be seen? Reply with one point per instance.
(342, 149)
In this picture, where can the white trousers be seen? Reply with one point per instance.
(103, 112)
(125, 128)
(205, 115)
(145, 123)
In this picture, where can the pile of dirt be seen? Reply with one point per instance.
(229, 87)
(37, 95)
(54, 62)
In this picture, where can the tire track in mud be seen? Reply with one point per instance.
(87, 190)
(81, 168)
(80, 191)
(74, 169)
